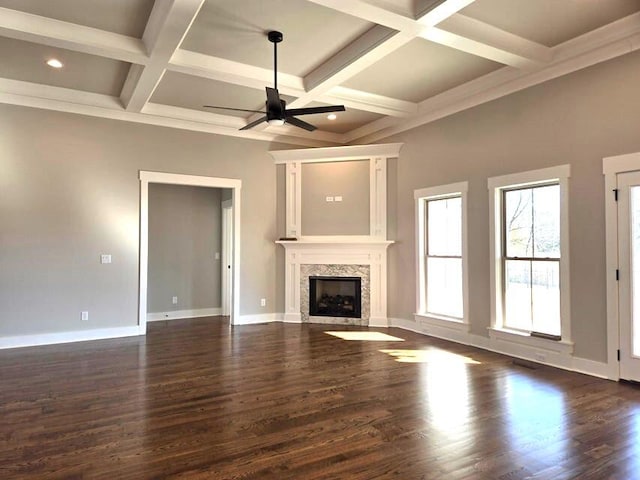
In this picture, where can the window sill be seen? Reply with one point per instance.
(432, 320)
(561, 347)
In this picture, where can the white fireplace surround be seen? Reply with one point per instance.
(340, 252)
(337, 250)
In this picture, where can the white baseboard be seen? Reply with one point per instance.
(176, 314)
(258, 318)
(378, 322)
(525, 352)
(68, 337)
(291, 317)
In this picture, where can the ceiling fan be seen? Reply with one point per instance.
(276, 108)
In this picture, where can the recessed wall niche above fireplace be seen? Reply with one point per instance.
(336, 226)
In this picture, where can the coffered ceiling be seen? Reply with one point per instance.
(394, 64)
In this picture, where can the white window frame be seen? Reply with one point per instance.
(422, 316)
(497, 185)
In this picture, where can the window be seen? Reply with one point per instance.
(531, 259)
(530, 248)
(441, 258)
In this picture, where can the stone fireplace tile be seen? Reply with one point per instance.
(362, 271)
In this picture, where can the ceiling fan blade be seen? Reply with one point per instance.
(234, 109)
(274, 105)
(253, 124)
(312, 110)
(299, 123)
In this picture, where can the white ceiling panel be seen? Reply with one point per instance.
(26, 61)
(127, 17)
(420, 70)
(550, 22)
(344, 122)
(236, 30)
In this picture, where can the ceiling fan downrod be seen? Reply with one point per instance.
(275, 37)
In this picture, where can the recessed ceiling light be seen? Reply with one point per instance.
(54, 62)
(332, 116)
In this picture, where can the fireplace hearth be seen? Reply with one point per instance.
(335, 296)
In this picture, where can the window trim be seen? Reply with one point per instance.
(421, 196)
(497, 185)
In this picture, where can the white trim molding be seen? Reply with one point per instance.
(540, 353)
(337, 154)
(373, 254)
(496, 185)
(147, 177)
(611, 168)
(180, 314)
(253, 319)
(421, 196)
(69, 337)
(377, 155)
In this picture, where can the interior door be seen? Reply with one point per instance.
(227, 256)
(629, 270)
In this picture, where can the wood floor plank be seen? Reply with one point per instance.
(197, 399)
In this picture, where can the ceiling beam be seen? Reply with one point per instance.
(33, 95)
(483, 40)
(391, 32)
(222, 70)
(167, 26)
(431, 12)
(56, 33)
(369, 102)
(374, 45)
(610, 41)
(371, 13)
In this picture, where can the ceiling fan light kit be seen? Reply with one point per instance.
(277, 113)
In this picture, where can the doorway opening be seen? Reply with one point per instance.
(230, 278)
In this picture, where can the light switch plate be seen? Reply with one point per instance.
(105, 258)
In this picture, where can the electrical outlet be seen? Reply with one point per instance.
(338, 198)
(174, 300)
(329, 199)
(84, 316)
(263, 302)
(105, 258)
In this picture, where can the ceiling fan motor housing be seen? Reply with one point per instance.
(274, 36)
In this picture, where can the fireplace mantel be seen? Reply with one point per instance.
(333, 242)
(337, 251)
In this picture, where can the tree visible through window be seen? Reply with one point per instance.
(531, 259)
(444, 256)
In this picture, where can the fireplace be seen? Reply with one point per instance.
(335, 297)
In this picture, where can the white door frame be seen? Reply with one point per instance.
(227, 256)
(198, 181)
(611, 167)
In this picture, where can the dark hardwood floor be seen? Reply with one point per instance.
(197, 399)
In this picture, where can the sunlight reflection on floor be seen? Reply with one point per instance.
(429, 356)
(366, 336)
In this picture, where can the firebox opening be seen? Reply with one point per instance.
(335, 297)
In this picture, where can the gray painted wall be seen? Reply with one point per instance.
(577, 119)
(69, 191)
(347, 179)
(185, 228)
